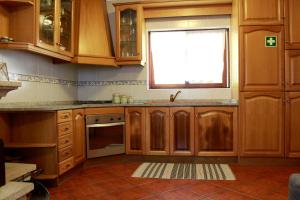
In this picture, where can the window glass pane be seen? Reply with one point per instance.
(194, 56)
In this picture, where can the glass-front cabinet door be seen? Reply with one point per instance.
(47, 21)
(65, 43)
(55, 30)
(128, 41)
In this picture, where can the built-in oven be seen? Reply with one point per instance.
(105, 135)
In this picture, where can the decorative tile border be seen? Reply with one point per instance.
(41, 79)
(107, 83)
(52, 80)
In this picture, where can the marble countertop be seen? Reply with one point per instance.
(160, 103)
(15, 190)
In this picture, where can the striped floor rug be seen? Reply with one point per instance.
(184, 171)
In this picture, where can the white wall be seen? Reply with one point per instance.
(133, 80)
(42, 81)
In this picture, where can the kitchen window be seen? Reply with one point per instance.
(188, 58)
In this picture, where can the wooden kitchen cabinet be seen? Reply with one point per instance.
(261, 12)
(79, 145)
(135, 130)
(129, 28)
(262, 124)
(292, 125)
(216, 131)
(292, 70)
(182, 131)
(157, 131)
(55, 27)
(261, 67)
(292, 21)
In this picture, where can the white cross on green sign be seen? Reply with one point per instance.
(271, 41)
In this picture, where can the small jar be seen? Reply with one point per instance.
(130, 99)
(116, 98)
(124, 99)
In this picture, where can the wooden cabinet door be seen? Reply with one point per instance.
(292, 126)
(216, 131)
(129, 32)
(79, 145)
(157, 131)
(292, 70)
(182, 131)
(292, 21)
(261, 12)
(262, 125)
(261, 67)
(135, 130)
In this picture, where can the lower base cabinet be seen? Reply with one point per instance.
(262, 125)
(216, 131)
(157, 131)
(182, 131)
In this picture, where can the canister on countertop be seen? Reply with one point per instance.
(116, 98)
(124, 99)
(130, 100)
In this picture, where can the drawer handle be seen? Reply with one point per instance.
(67, 153)
(66, 141)
(65, 116)
(66, 129)
(68, 165)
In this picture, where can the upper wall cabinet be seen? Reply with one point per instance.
(55, 27)
(292, 21)
(129, 28)
(261, 12)
(261, 58)
(93, 43)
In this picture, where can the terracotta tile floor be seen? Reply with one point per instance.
(112, 181)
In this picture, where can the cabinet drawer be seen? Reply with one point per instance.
(64, 116)
(65, 153)
(65, 141)
(66, 165)
(64, 128)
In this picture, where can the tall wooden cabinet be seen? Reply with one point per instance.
(182, 131)
(78, 136)
(216, 131)
(261, 12)
(157, 131)
(292, 21)
(262, 123)
(261, 67)
(135, 130)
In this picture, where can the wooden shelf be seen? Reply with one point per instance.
(46, 176)
(16, 2)
(29, 145)
(30, 47)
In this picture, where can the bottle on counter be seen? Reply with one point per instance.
(2, 164)
(116, 98)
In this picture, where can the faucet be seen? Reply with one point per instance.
(172, 97)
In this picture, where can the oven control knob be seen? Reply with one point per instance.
(111, 119)
(97, 120)
(119, 118)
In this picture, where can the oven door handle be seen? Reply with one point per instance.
(105, 125)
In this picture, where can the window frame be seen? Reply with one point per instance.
(226, 68)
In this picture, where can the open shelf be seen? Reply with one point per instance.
(46, 177)
(30, 47)
(29, 145)
(17, 2)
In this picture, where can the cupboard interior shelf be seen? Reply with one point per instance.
(29, 145)
(16, 2)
